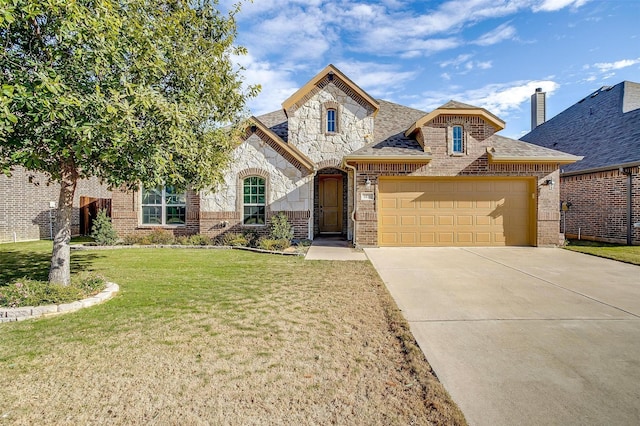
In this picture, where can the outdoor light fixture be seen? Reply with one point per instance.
(254, 128)
(367, 184)
(549, 182)
(331, 76)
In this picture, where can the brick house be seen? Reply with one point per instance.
(600, 193)
(26, 212)
(337, 161)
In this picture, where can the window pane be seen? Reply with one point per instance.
(331, 120)
(457, 139)
(152, 196)
(176, 215)
(152, 215)
(254, 215)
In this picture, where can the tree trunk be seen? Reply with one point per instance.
(60, 270)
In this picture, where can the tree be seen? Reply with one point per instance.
(131, 91)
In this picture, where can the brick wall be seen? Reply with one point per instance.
(548, 199)
(24, 209)
(599, 206)
(126, 219)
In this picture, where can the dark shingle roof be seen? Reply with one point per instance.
(503, 147)
(604, 127)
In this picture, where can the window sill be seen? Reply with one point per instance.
(457, 154)
(150, 226)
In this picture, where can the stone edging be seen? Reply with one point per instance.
(180, 246)
(30, 312)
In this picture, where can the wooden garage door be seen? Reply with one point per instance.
(454, 212)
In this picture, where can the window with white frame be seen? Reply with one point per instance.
(331, 120)
(254, 200)
(457, 139)
(163, 206)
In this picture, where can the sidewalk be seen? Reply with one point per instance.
(333, 248)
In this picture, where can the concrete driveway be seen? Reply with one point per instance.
(524, 336)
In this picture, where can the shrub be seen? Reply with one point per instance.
(161, 236)
(273, 244)
(252, 237)
(26, 292)
(199, 240)
(281, 228)
(102, 230)
(234, 239)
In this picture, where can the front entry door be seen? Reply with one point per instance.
(330, 191)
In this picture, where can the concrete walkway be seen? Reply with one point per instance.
(524, 336)
(333, 248)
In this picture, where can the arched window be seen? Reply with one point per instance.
(254, 200)
(458, 145)
(331, 120)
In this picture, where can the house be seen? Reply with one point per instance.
(600, 193)
(28, 206)
(337, 161)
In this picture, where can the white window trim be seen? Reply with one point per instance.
(243, 205)
(163, 208)
(330, 105)
(450, 128)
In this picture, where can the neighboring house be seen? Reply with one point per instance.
(601, 193)
(337, 161)
(28, 205)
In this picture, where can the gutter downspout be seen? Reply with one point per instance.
(312, 205)
(355, 200)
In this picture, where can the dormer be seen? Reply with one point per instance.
(454, 125)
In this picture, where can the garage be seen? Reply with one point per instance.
(455, 211)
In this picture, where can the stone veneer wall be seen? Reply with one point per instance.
(24, 209)
(599, 206)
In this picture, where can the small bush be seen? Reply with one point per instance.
(252, 237)
(161, 236)
(26, 292)
(199, 240)
(102, 230)
(183, 240)
(234, 239)
(281, 228)
(272, 244)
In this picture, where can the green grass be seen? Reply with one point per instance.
(217, 337)
(622, 253)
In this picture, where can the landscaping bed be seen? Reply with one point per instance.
(217, 337)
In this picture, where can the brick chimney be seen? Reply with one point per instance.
(538, 108)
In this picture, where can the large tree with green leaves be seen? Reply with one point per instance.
(129, 91)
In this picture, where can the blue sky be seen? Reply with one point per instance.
(488, 53)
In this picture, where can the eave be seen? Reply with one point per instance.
(476, 112)
(368, 159)
(336, 73)
(278, 144)
(498, 159)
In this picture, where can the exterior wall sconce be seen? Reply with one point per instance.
(549, 183)
(367, 184)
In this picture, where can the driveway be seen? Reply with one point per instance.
(524, 336)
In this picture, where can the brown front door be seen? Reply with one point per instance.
(330, 189)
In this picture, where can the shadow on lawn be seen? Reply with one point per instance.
(35, 265)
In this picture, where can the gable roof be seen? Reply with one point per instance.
(604, 127)
(288, 151)
(457, 108)
(331, 73)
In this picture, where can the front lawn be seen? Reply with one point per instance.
(217, 337)
(628, 254)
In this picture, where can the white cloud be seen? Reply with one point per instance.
(379, 80)
(610, 66)
(501, 33)
(500, 99)
(554, 5)
(277, 84)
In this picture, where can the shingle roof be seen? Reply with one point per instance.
(507, 149)
(604, 127)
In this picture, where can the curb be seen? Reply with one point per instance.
(31, 312)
